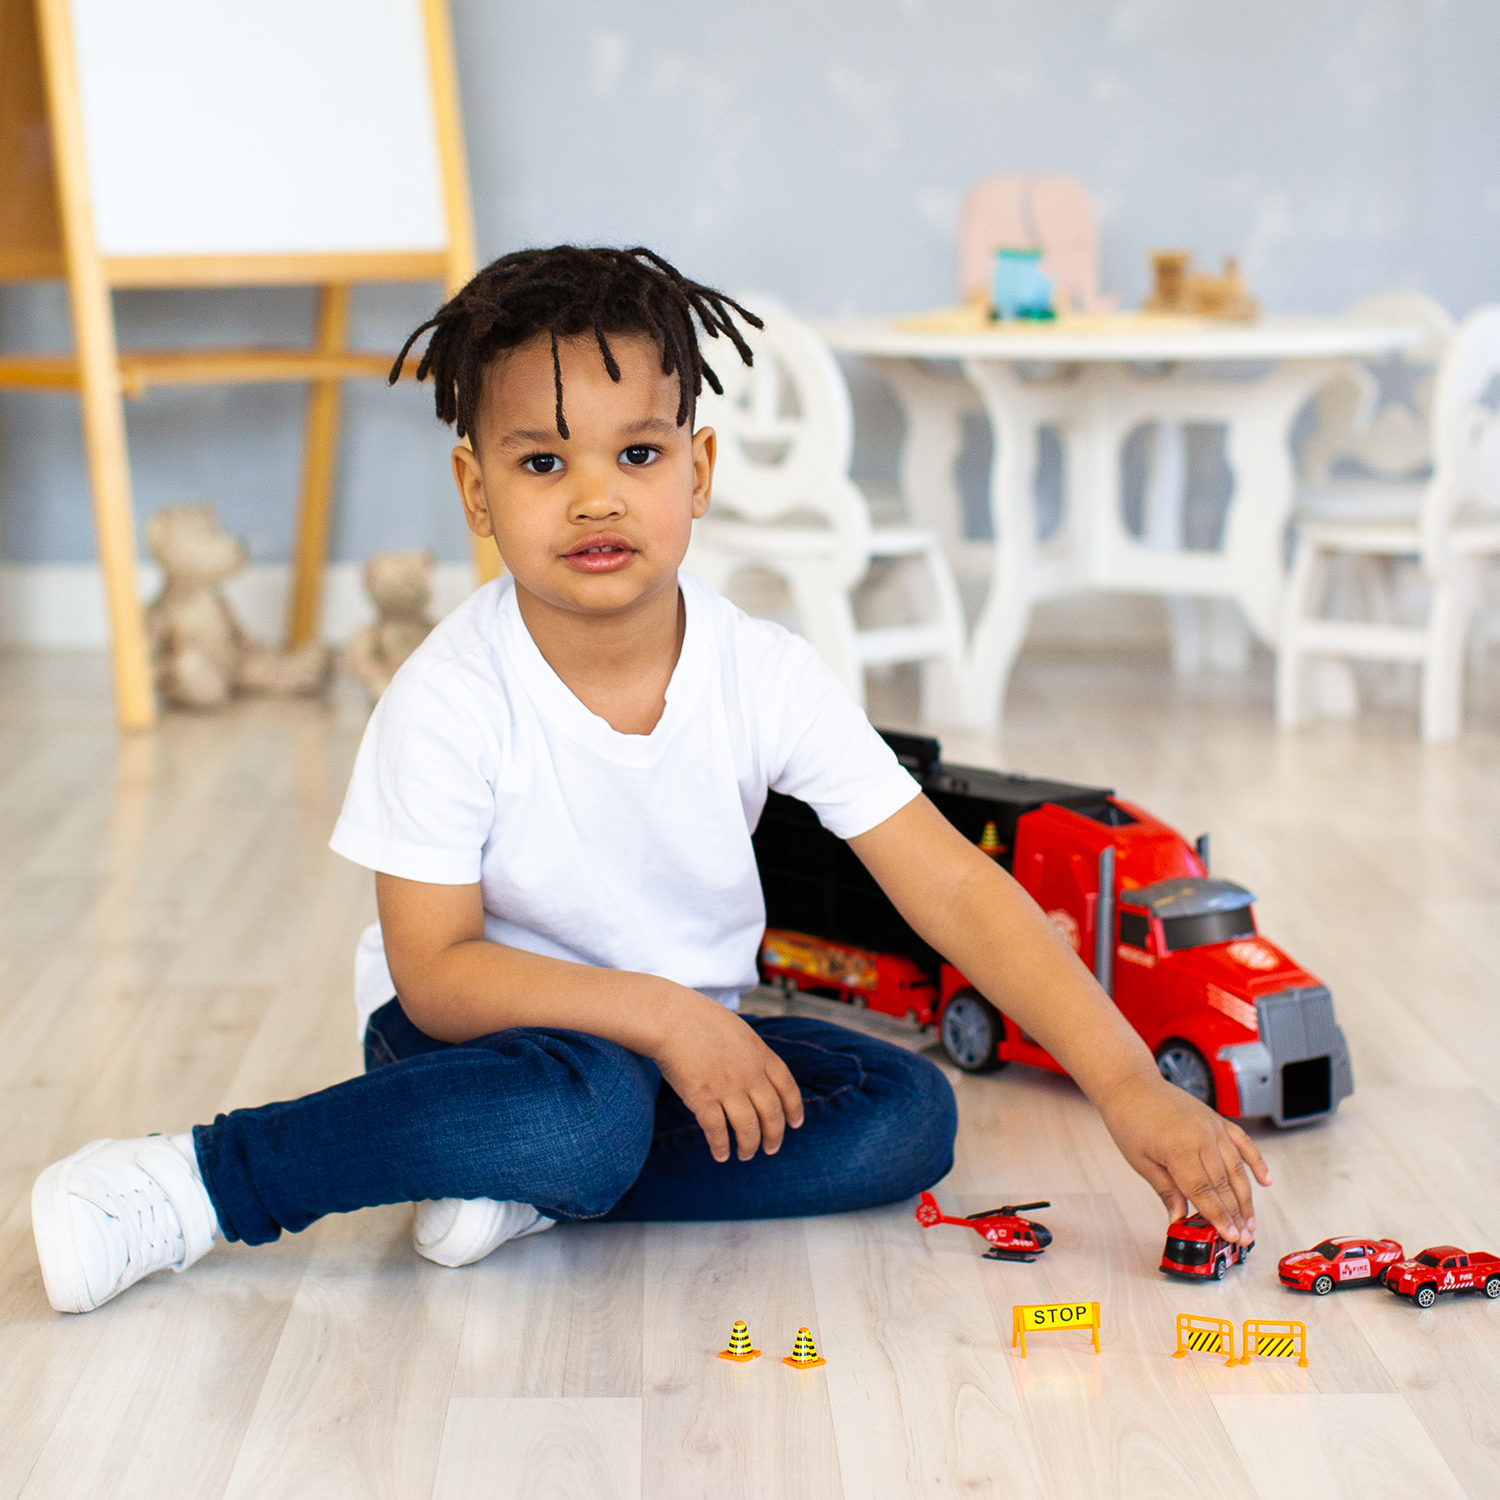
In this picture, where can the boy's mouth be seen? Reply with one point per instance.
(600, 554)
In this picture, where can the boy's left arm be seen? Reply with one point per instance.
(979, 918)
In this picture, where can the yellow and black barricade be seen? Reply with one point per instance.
(1196, 1335)
(1273, 1338)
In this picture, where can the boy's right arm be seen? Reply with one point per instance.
(455, 986)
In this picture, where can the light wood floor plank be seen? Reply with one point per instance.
(558, 1314)
(1335, 1448)
(354, 1400)
(541, 1448)
(712, 1427)
(906, 1327)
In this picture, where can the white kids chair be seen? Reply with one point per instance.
(1450, 524)
(783, 501)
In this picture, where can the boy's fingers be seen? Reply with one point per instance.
(1249, 1153)
(788, 1092)
(711, 1118)
(746, 1123)
(767, 1104)
(1239, 1182)
(1166, 1189)
(1209, 1188)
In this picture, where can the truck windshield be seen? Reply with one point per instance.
(1210, 927)
(1424, 1259)
(1189, 1252)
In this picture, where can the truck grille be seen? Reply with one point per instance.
(1309, 1057)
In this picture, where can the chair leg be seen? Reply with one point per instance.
(1443, 662)
(1309, 569)
(827, 620)
(942, 675)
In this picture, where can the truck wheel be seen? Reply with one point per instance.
(1182, 1064)
(1492, 1287)
(972, 1030)
(1425, 1296)
(1323, 1285)
(1220, 1266)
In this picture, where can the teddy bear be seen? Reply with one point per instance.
(199, 654)
(400, 584)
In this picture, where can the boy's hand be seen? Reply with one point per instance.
(727, 1076)
(1186, 1152)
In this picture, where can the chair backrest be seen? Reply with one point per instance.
(1465, 433)
(1375, 419)
(785, 431)
(1055, 215)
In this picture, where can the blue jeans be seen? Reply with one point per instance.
(577, 1126)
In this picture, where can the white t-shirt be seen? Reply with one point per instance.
(626, 851)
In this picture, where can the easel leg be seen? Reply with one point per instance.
(103, 416)
(319, 459)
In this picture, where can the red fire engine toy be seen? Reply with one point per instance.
(1228, 1016)
(1346, 1261)
(1011, 1237)
(1445, 1269)
(1194, 1248)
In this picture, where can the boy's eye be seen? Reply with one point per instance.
(638, 454)
(542, 463)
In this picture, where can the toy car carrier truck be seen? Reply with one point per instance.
(1227, 1015)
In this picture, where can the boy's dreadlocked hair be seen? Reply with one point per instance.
(564, 292)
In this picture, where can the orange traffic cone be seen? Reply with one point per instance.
(804, 1353)
(739, 1344)
(989, 841)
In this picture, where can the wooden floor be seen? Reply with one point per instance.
(175, 940)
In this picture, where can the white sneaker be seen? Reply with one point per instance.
(459, 1231)
(114, 1212)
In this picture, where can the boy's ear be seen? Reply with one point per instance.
(470, 482)
(705, 451)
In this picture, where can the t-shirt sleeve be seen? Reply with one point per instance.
(421, 800)
(828, 754)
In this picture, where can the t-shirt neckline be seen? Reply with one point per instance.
(566, 712)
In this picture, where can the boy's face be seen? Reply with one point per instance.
(596, 523)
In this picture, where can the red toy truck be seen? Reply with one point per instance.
(1228, 1016)
(1445, 1268)
(1194, 1248)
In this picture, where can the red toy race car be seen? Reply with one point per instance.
(1011, 1237)
(1444, 1269)
(1346, 1261)
(1228, 1016)
(1194, 1248)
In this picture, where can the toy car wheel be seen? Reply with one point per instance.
(1492, 1287)
(971, 1033)
(1182, 1064)
(1323, 1284)
(1425, 1296)
(1220, 1266)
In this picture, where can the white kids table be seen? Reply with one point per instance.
(1096, 379)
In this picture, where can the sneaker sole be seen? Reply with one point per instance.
(62, 1275)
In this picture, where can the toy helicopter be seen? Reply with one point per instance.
(1011, 1237)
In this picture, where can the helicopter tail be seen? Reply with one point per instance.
(928, 1212)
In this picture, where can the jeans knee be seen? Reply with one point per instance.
(920, 1116)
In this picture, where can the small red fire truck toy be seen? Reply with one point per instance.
(1444, 1268)
(1194, 1248)
(1227, 1015)
(1346, 1261)
(1011, 1237)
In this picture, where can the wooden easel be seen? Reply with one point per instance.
(47, 231)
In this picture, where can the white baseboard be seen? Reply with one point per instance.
(62, 604)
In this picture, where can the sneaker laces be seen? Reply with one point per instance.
(153, 1233)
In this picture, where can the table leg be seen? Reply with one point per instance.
(1014, 585)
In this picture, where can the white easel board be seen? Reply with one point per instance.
(249, 127)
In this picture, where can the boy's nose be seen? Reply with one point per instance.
(597, 501)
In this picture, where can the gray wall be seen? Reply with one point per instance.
(820, 151)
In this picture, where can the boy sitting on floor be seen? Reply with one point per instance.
(557, 794)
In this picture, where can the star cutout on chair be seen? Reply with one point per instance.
(1396, 380)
